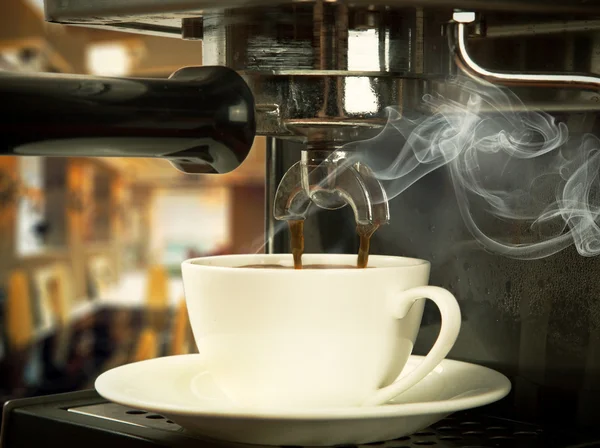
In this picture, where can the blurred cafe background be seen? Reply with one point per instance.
(91, 248)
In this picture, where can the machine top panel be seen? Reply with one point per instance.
(163, 17)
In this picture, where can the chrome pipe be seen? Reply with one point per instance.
(469, 67)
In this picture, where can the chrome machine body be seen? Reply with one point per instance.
(322, 74)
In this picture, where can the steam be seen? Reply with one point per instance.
(259, 244)
(519, 166)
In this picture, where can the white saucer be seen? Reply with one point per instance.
(181, 389)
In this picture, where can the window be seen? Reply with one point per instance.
(40, 221)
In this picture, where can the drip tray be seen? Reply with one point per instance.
(117, 413)
(465, 430)
(86, 419)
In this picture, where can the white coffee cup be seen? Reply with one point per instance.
(276, 338)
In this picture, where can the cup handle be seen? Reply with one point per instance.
(451, 319)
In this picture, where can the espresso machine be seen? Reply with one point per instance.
(317, 77)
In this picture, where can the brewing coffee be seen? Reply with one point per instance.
(306, 266)
(364, 231)
(297, 241)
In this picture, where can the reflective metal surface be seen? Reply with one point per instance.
(120, 414)
(464, 61)
(325, 72)
(331, 181)
(164, 16)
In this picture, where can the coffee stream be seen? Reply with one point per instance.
(296, 228)
(297, 241)
(364, 231)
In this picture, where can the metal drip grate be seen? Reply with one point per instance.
(117, 413)
(86, 419)
(462, 430)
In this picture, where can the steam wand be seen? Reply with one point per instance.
(461, 21)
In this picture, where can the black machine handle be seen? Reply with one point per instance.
(201, 118)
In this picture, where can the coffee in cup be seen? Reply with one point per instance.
(305, 266)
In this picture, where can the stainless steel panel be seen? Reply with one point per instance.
(164, 16)
(461, 429)
(121, 414)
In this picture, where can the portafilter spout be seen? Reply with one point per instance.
(330, 180)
